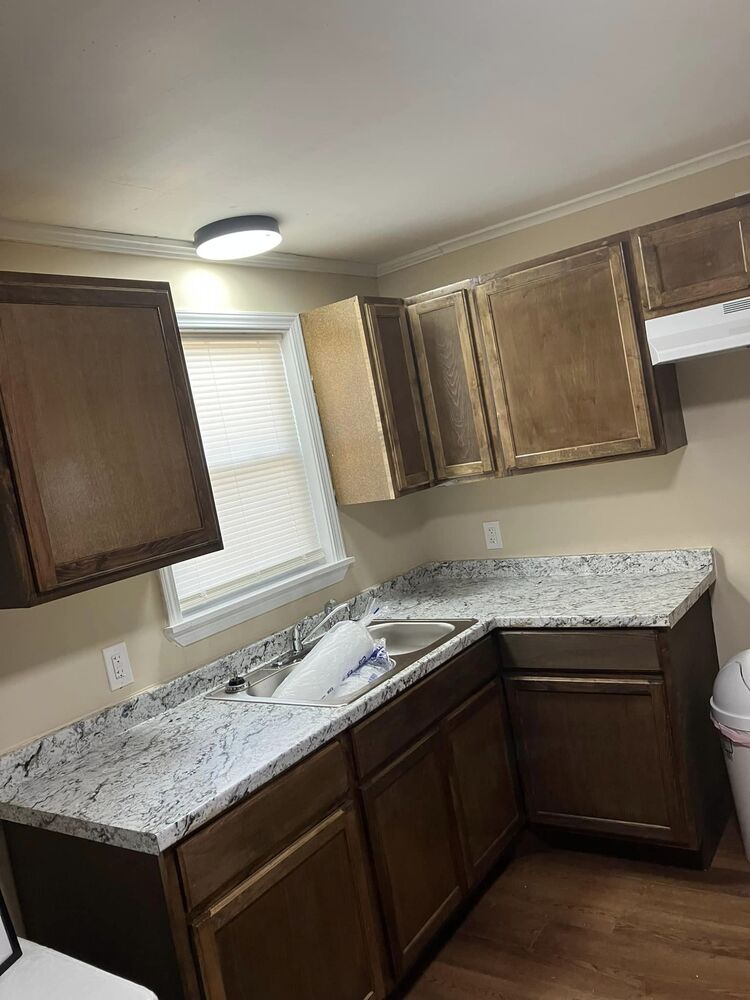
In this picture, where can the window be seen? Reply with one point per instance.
(272, 489)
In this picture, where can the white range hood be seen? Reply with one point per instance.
(709, 330)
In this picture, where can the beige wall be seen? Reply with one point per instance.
(51, 670)
(697, 496)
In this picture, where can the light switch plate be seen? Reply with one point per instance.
(492, 537)
(117, 662)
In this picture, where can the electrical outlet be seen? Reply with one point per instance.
(492, 537)
(117, 662)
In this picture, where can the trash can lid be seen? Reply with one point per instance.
(730, 702)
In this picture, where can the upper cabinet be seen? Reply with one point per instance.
(368, 398)
(536, 365)
(568, 375)
(447, 363)
(694, 259)
(102, 473)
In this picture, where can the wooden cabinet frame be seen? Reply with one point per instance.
(720, 229)
(526, 277)
(32, 573)
(376, 444)
(373, 310)
(476, 866)
(457, 301)
(405, 953)
(618, 687)
(251, 889)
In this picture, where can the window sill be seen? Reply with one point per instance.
(202, 624)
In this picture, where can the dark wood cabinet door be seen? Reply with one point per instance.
(396, 377)
(101, 434)
(483, 779)
(449, 377)
(415, 848)
(567, 370)
(596, 755)
(303, 926)
(694, 260)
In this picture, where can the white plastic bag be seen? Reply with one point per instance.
(376, 664)
(344, 647)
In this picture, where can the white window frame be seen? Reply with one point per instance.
(187, 628)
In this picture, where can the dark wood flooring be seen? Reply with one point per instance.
(559, 925)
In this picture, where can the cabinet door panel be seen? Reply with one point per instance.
(415, 847)
(301, 927)
(483, 779)
(685, 263)
(397, 725)
(402, 403)
(596, 755)
(446, 359)
(101, 432)
(568, 375)
(219, 854)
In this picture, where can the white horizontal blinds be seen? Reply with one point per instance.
(255, 462)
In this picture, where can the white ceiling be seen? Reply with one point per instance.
(370, 127)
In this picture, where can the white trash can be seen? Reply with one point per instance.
(730, 713)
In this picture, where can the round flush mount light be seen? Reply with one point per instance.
(242, 236)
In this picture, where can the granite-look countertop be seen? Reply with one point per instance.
(144, 773)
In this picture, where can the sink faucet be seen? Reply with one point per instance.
(302, 641)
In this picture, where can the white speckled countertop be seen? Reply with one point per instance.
(146, 772)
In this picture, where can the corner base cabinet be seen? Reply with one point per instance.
(102, 472)
(613, 735)
(596, 755)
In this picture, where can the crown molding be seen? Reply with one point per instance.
(157, 246)
(643, 183)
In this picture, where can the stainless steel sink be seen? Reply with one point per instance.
(411, 636)
(406, 642)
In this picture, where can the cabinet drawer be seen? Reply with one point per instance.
(264, 824)
(618, 650)
(398, 724)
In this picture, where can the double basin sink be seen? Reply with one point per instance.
(405, 641)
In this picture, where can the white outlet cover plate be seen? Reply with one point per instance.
(492, 537)
(117, 662)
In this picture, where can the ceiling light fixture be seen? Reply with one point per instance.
(242, 236)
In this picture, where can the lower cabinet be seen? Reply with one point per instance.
(415, 847)
(595, 754)
(483, 779)
(302, 926)
(439, 816)
(380, 836)
(613, 736)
